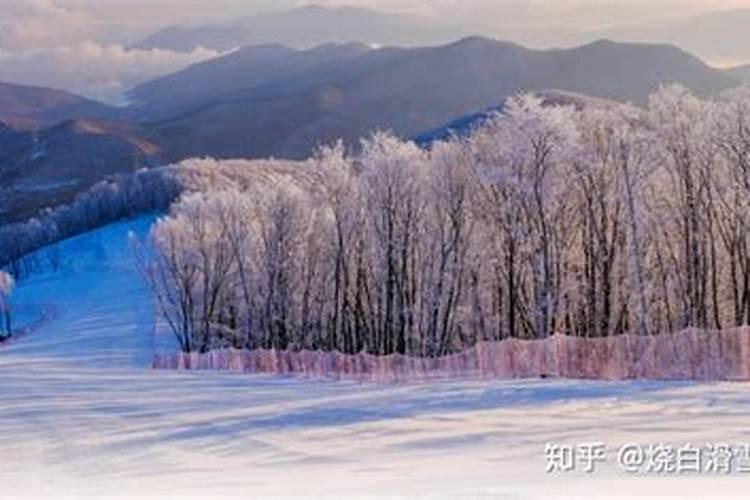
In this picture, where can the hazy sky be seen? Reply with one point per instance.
(81, 44)
(35, 24)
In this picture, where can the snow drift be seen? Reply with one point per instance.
(688, 355)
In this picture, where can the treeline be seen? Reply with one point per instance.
(30, 246)
(108, 201)
(589, 222)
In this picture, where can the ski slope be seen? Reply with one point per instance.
(81, 414)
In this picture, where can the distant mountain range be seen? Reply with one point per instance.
(237, 74)
(722, 37)
(239, 106)
(310, 26)
(741, 72)
(272, 100)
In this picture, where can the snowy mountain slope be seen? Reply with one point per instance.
(85, 303)
(82, 414)
(465, 125)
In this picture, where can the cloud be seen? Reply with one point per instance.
(81, 45)
(98, 71)
(28, 24)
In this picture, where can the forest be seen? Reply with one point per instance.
(591, 222)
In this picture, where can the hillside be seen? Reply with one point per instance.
(239, 71)
(50, 166)
(33, 107)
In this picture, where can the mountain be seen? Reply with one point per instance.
(741, 72)
(721, 37)
(310, 26)
(239, 71)
(287, 113)
(275, 101)
(50, 166)
(34, 107)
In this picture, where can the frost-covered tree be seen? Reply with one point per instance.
(450, 271)
(6, 289)
(123, 196)
(196, 263)
(346, 317)
(595, 221)
(524, 160)
(392, 183)
(731, 133)
(686, 204)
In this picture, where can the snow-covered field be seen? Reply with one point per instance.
(81, 414)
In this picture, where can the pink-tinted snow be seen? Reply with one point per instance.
(689, 355)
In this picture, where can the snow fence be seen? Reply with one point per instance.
(689, 355)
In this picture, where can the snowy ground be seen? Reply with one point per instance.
(81, 414)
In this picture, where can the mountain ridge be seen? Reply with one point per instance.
(275, 101)
(30, 107)
(720, 36)
(309, 26)
(397, 89)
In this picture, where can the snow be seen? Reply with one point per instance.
(81, 414)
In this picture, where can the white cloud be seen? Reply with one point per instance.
(98, 71)
(81, 45)
(28, 24)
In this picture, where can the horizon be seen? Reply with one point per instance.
(86, 47)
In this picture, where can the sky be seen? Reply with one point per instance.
(82, 45)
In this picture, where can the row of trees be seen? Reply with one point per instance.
(591, 222)
(29, 246)
(108, 201)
